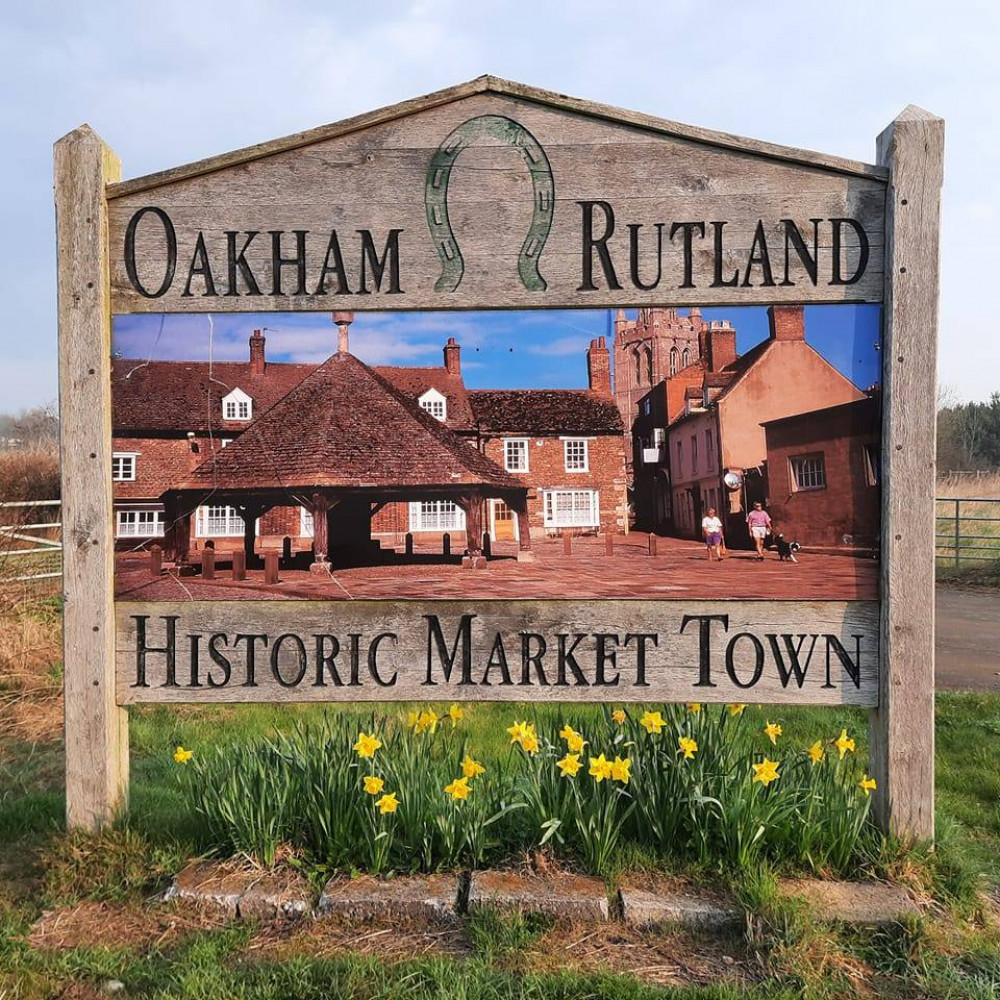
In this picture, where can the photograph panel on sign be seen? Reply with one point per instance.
(654, 453)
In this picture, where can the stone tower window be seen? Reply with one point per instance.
(673, 360)
(649, 365)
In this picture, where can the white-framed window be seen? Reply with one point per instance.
(138, 523)
(576, 453)
(123, 466)
(436, 515)
(237, 406)
(435, 404)
(218, 521)
(515, 454)
(873, 464)
(808, 472)
(571, 509)
(305, 523)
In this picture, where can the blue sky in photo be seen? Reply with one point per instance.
(525, 349)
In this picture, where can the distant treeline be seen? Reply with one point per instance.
(968, 436)
(30, 429)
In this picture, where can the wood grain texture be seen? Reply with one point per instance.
(902, 730)
(96, 728)
(372, 176)
(673, 667)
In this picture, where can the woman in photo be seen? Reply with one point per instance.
(711, 529)
(759, 523)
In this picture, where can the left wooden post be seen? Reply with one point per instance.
(96, 728)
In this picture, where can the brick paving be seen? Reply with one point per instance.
(679, 570)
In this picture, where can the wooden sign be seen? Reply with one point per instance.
(493, 195)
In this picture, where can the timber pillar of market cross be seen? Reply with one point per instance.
(605, 209)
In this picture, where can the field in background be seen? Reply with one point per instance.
(967, 536)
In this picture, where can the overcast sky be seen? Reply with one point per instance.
(173, 82)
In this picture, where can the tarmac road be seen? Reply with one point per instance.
(968, 640)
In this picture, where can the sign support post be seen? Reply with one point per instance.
(902, 727)
(96, 727)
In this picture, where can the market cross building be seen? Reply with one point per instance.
(341, 458)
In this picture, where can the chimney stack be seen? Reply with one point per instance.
(787, 322)
(717, 340)
(343, 321)
(453, 357)
(258, 363)
(599, 367)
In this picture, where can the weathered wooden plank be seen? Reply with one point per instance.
(96, 728)
(553, 651)
(902, 730)
(579, 179)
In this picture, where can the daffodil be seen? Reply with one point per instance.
(388, 803)
(844, 743)
(472, 768)
(569, 765)
(618, 716)
(373, 785)
(367, 745)
(428, 720)
(529, 741)
(620, 768)
(600, 768)
(868, 784)
(652, 722)
(688, 747)
(413, 721)
(694, 707)
(574, 740)
(455, 713)
(459, 788)
(735, 710)
(766, 771)
(816, 752)
(772, 731)
(517, 731)
(182, 756)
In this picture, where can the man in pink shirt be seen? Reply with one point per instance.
(759, 523)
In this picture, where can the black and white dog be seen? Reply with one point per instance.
(786, 550)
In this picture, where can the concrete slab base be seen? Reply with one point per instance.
(474, 562)
(689, 909)
(574, 897)
(852, 902)
(433, 897)
(242, 892)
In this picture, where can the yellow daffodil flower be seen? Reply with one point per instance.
(816, 752)
(600, 768)
(766, 771)
(413, 721)
(472, 768)
(652, 722)
(868, 784)
(844, 743)
(574, 740)
(367, 745)
(619, 769)
(388, 803)
(735, 710)
(688, 747)
(459, 788)
(517, 731)
(428, 720)
(182, 756)
(618, 716)
(694, 707)
(569, 765)
(772, 731)
(455, 713)
(373, 785)
(529, 742)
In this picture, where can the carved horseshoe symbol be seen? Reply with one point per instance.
(436, 198)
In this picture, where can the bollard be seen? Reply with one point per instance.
(567, 543)
(652, 545)
(409, 544)
(609, 544)
(487, 545)
(155, 560)
(239, 564)
(208, 562)
(286, 550)
(446, 544)
(270, 567)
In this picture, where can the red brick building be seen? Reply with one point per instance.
(823, 475)
(256, 450)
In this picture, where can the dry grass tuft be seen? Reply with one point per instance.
(980, 485)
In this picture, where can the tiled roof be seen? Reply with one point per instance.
(545, 411)
(345, 425)
(187, 395)
(414, 382)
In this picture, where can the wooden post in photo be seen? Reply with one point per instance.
(96, 727)
(239, 564)
(208, 562)
(902, 727)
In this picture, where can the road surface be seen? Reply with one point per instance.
(968, 640)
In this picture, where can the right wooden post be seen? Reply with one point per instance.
(902, 727)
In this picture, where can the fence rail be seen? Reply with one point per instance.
(40, 554)
(968, 530)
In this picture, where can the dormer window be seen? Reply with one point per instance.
(237, 406)
(435, 404)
